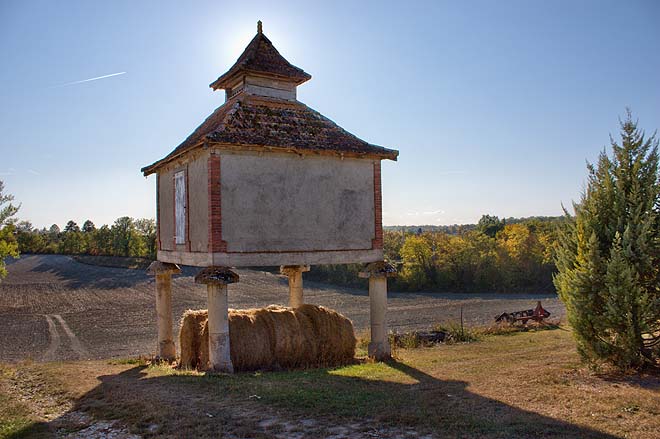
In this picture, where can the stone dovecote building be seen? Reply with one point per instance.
(266, 180)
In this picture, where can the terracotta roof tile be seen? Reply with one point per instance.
(260, 56)
(257, 121)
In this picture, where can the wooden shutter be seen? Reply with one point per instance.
(180, 207)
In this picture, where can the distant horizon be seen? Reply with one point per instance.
(80, 223)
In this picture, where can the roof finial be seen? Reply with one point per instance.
(259, 27)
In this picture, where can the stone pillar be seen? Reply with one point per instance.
(294, 273)
(216, 280)
(377, 273)
(163, 272)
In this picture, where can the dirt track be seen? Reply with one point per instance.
(53, 308)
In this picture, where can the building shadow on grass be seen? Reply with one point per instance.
(309, 403)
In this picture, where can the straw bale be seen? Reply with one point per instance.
(274, 337)
(190, 338)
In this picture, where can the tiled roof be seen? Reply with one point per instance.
(260, 56)
(256, 121)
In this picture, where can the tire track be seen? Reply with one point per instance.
(54, 344)
(76, 345)
(56, 339)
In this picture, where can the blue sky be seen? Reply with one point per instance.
(494, 105)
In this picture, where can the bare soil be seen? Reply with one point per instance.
(54, 308)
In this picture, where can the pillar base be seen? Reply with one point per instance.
(167, 350)
(219, 343)
(379, 351)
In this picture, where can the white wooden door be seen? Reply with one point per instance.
(180, 207)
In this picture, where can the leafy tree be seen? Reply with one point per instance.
(525, 252)
(88, 227)
(418, 268)
(72, 243)
(489, 225)
(103, 243)
(470, 263)
(7, 209)
(392, 243)
(71, 240)
(54, 232)
(8, 244)
(609, 255)
(125, 238)
(147, 230)
(71, 226)
(87, 237)
(29, 240)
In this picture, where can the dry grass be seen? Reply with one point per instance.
(272, 338)
(524, 384)
(453, 333)
(15, 415)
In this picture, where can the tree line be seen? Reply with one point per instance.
(495, 255)
(125, 237)
(508, 255)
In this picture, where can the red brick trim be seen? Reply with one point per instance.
(216, 244)
(377, 242)
(160, 245)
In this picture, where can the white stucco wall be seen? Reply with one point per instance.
(197, 215)
(282, 202)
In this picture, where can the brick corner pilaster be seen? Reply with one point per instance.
(216, 244)
(377, 242)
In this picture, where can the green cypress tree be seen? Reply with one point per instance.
(608, 257)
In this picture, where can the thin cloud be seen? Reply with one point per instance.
(33, 172)
(90, 79)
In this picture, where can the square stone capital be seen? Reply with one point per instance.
(378, 269)
(288, 270)
(216, 276)
(157, 267)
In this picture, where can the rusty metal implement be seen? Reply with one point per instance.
(537, 314)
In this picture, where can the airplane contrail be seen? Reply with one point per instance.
(91, 79)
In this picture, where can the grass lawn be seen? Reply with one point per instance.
(518, 385)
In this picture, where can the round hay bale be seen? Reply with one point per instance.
(249, 340)
(310, 347)
(334, 333)
(273, 337)
(289, 339)
(191, 339)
